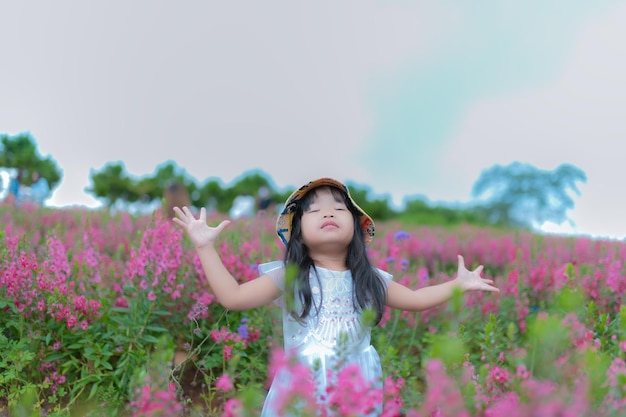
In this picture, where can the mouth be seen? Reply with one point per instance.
(329, 224)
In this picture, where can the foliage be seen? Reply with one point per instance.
(107, 314)
(521, 195)
(20, 152)
(84, 321)
(517, 195)
(418, 211)
(114, 186)
(377, 208)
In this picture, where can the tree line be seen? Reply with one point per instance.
(515, 195)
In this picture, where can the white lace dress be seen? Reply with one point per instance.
(315, 342)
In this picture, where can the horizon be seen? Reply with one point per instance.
(547, 229)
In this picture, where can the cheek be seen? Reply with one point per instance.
(305, 226)
(349, 222)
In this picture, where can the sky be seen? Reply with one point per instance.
(406, 97)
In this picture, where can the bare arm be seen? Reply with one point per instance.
(229, 292)
(403, 298)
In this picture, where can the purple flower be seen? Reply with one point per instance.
(405, 264)
(401, 234)
(243, 329)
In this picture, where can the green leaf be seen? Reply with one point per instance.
(157, 329)
(75, 346)
(93, 391)
(148, 338)
(161, 313)
(56, 356)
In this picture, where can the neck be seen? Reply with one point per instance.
(329, 256)
(333, 262)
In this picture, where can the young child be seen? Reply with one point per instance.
(326, 235)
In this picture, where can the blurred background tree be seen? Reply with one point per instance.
(521, 195)
(517, 195)
(20, 152)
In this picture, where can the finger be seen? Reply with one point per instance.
(222, 225)
(490, 288)
(488, 281)
(203, 214)
(479, 269)
(187, 211)
(461, 262)
(179, 222)
(178, 211)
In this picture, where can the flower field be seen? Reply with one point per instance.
(108, 314)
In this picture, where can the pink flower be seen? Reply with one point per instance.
(121, 302)
(353, 394)
(522, 372)
(499, 374)
(151, 296)
(224, 383)
(71, 321)
(228, 352)
(232, 408)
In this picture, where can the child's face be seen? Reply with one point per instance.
(326, 221)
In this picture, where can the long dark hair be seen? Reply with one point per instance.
(368, 289)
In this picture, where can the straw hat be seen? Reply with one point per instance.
(283, 223)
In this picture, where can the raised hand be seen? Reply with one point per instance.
(197, 229)
(471, 280)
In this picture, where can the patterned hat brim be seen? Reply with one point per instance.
(283, 223)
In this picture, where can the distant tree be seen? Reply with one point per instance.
(522, 195)
(215, 196)
(114, 186)
(247, 184)
(378, 208)
(418, 210)
(20, 152)
(111, 184)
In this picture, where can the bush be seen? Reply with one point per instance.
(109, 315)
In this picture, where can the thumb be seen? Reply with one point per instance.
(223, 225)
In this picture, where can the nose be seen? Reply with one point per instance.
(329, 214)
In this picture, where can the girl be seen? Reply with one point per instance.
(324, 297)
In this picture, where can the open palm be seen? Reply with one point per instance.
(197, 229)
(471, 280)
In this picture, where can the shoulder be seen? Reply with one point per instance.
(266, 267)
(276, 271)
(386, 276)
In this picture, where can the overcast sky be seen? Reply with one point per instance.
(406, 97)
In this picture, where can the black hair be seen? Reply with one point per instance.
(368, 289)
